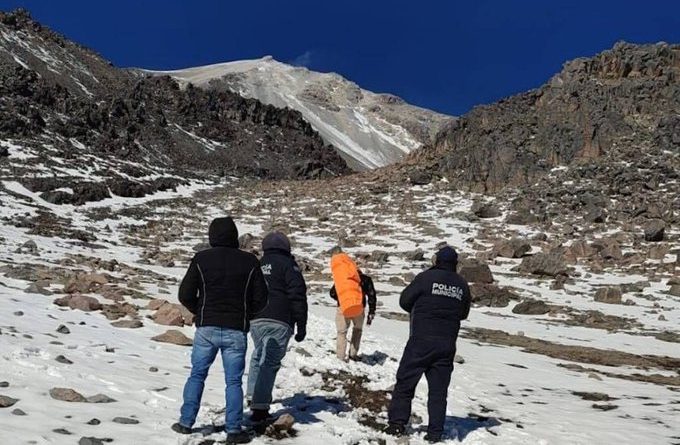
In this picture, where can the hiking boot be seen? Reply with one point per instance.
(259, 415)
(394, 429)
(241, 437)
(180, 429)
(433, 438)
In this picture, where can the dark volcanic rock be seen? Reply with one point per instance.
(655, 230)
(549, 264)
(581, 114)
(89, 107)
(531, 307)
(475, 271)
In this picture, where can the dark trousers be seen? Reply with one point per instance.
(433, 357)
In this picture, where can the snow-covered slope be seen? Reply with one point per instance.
(608, 377)
(370, 130)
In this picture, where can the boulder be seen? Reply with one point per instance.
(170, 314)
(485, 210)
(80, 302)
(674, 290)
(475, 271)
(512, 248)
(100, 398)
(611, 295)
(490, 295)
(531, 307)
(127, 324)
(173, 337)
(6, 402)
(84, 283)
(415, 255)
(655, 230)
(67, 395)
(546, 264)
(596, 215)
(29, 247)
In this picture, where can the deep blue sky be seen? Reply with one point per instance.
(444, 55)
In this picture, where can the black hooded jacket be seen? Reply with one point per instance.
(224, 286)
(287, 289)
(437, 299)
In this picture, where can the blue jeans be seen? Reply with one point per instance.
(271, 340)
(232, 344)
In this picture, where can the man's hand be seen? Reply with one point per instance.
(370, 318)
(301, 334)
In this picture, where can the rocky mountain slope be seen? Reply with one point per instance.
(621, 107)
(68, 117)
(369, 130)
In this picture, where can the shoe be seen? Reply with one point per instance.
(180, 429)
(394, 429)
(242, 437)
(433, 438)
(259, 415)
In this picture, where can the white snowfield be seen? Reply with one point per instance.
(370, 130)
(498, 395)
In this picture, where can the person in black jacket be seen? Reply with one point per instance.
(342, 323)
(272, 328)
(437, 299)
(224, 288)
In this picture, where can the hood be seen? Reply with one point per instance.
(223, 233)
(276, 241)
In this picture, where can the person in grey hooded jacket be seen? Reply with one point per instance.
(272, 328)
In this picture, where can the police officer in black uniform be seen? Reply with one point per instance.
(437, 299)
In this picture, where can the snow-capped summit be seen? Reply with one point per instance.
(370, 130)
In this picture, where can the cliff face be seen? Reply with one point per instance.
(619, 104)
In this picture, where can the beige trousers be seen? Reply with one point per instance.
(342, 324)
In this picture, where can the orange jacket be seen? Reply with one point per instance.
(347, 285)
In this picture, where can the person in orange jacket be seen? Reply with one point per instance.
(353, 290)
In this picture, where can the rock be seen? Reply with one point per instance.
(655, 230)
(674, 290)
(84, 283)
(92, 441)
(100, 398)
(285, 422)
(611, 295)
(246, 241)
(6, 402)
(512, 248)
(34, 288)
(531, 307)
(458, 359)
(67, 395)
(415, 255)
(475, 271)
(170, 314)
(153, 369)
(521, 217)
(29, 247)
(596, 215)
(125, 421)
(18, 412)
(4, 384)
(484, 294)
(63, 329)
(127, 324)
(63, 431)
(380, 256)
(608, 249)
(80, 302)
(485, 210)
(94, 421)
(63, 360)
(173, 337)
(420, 177)
(547, 264)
